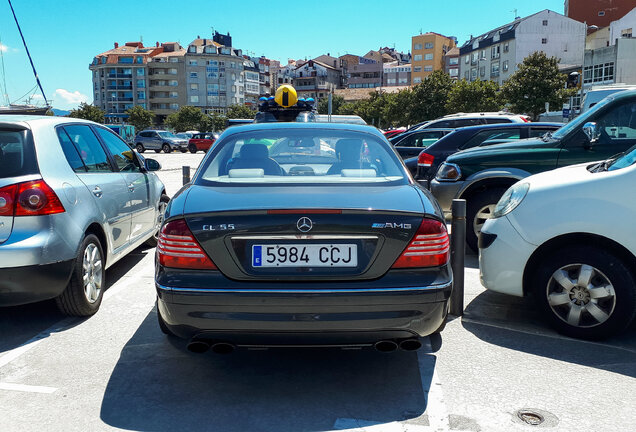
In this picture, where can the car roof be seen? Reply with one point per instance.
(479, 114)
(508, 125)
(41, 120)
(311, 125)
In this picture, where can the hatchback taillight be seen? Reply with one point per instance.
(178, 248)
(34, 198)
(430, 247)
(425, 160)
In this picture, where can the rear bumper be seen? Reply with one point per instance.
(29, 284)
(340, 317)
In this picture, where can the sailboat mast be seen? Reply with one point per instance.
(37, 79)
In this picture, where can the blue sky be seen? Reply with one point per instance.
(64, 35)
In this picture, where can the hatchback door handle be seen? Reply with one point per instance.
(97, 192)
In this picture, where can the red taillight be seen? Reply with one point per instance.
(425, 160)
(34, 198)
(429, 248)
(178, 248)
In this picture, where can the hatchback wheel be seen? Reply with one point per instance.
(480, 208)
(586, 292)
(140, 148)
(83, 295)
(192, 148)
(166, 148)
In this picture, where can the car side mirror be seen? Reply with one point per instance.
(592, 132)
(152, 165)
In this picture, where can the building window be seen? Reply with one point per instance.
(417, 46)
(194, 86)
(172, 71)
(428, 56)
(482, 71)
(140, 72)
(125, 60)
(494, 52)
(417, 69)
(428, 68)
(453, 72)
(404, 81)
(428, 45)
(482, 54)
(474, 57)
(506, 47)
(453, 60)
(417, 80)
(194, 75)
(505, 65)
(473, 74)
(173, 83)
(174, 106)
(141, 83)
(140, 59)
(194, 98)
(417, 57)
(545, 22)
(467, 59)
(192, 62)
(466, 75)
(601, 13)
(141, 95)
(627, 33)
(494, 69)
(390, 80)
(544, 41)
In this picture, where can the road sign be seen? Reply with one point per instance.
(566, 112)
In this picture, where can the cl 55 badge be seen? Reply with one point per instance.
(391, 225)
(220, 227)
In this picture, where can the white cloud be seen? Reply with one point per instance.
(70, 98)
(5, 48)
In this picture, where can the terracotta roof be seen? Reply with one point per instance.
(453, 52)
(205, 41)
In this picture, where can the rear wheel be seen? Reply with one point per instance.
(140, 148)
(84, 293)
(585, 292)
(479, 208)
(192, 148)
(166, 148)
(163, 203)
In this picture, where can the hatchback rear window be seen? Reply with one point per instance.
(17, 155)
(302, 156)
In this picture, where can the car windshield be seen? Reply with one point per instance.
(580, 120)
(302, 156)
(167, 135)
(628, 159)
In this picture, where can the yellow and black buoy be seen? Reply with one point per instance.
(286, 96)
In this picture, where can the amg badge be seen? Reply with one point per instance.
(391, 225)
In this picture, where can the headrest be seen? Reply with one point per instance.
(349, 149)
(254, 151)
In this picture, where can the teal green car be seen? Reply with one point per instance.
(482, 175)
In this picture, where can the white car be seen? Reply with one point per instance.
(568, 237)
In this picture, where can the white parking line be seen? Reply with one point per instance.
(27, 388)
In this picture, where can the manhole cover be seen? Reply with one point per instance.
(530, 417)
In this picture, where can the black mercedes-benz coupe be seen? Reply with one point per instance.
(302, 234)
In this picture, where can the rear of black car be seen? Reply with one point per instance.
(313, 264)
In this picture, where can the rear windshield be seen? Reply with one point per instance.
(17, 156)
(302, 156)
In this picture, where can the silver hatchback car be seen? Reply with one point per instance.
(74, 199)
(159, 140)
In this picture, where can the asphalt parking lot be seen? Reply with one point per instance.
(117, 371)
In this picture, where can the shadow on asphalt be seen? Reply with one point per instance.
(158, 385)
(18, 324)
(513, 323)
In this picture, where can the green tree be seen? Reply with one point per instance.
(536, 82)
(214, 122)
(140, 117)
(428, 100)
(238, 111)
(186, 118)
(475, 96)
(336, 103)
(88, 112)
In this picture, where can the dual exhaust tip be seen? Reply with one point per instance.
(200, 346)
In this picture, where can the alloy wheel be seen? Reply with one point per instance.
(481, 217)
(92, 272)
(581, 295)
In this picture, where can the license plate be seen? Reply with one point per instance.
(304, 255)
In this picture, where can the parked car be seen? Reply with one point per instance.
(411, 144)
(458, 120)
(159, 140)
(482, 175)
(334, 246)
(393, 132)
(74, 199)
(464, 138)
(566, 237)
(201, 141)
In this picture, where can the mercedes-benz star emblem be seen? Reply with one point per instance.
(304, 224)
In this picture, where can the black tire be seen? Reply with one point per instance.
(157, 150)
(162, 324)
(476, 204)
(192, 148)
(152, 241)
(166, 148)
(73, 301)
(140, 148)
(620, 308)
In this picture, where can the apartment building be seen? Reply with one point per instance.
(495, 55)
(360, 72)
(428, 52)
(120, 78)
(251, 73)
(214, 74)
(451, 63)
(166, 81)
(598, 13)
(316, 79)
(395, 74)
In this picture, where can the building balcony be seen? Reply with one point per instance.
(162, 75)
(119, 87)
(166, 87)
(120, 76)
